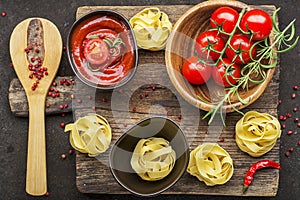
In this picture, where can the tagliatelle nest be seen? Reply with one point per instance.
(153, 159)
(257, 133)
(90, 134)
(151, 28)
(210, 163)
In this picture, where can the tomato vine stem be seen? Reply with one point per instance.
(267, 53)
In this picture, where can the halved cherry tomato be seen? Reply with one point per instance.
(242, 46)
(225, 17)
(96, 51)
(207, 42)
(226, 73)
(258, 22)
(195, 72)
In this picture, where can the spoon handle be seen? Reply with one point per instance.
(36, 176)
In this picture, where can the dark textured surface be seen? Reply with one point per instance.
(61, 173)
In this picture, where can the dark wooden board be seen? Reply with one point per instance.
(129, 104)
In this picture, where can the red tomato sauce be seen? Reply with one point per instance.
(120, 59)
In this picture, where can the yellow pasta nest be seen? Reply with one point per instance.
(257, 133)
(210, 163)
(151, 28)
(153, 158)
(90, 134)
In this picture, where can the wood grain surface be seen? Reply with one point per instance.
(151, 93)
(44, 38)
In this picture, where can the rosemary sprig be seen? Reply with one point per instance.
(266, 58)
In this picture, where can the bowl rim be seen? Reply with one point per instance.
(172, 72)
(173, 182)
(103, 12)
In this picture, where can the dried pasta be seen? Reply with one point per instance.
(151, 28)
(257, 133)
(153, 158)
(90, 134)
(211, 164)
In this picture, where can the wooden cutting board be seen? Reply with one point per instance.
(151, 93)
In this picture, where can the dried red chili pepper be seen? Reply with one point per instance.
(256, 166)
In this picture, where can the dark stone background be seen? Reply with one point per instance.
(61, 173)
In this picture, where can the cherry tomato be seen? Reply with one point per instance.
(229, 77)
(96, 51)
(207, 41)
(241, 53)
(258, 22)
(196, 72)
(226, 17)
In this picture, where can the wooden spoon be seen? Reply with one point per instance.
(41, 34)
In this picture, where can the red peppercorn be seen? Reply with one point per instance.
(290, 132)
(298, 142)
(291, 149)
(61, 106)
(293, 96)
(295, 109)
(3, 14)
(64, 48)
(62, 81)
(153, 88)
(141, 96)
(79, 100)
(71, 151)
(295, 87)
(283, 126)
(67, 83)
(54, 83)
(93, 108)
(298, 125)
(66, 106)
(48, 105)
(63, 114)
(89, 97)
(288, 115)
(53, 95)
(37, 50)
(221, 139)
(146, 94)
(47, 194)
(280, 102)
(206, 132)
(104, 99)
(179, 116)
(72, 96)
(296, 119)
(62, 125)
(134, 109)
(282, 118)
(63, 156)
(287, 154)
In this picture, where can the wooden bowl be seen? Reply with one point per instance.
(181, 45)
